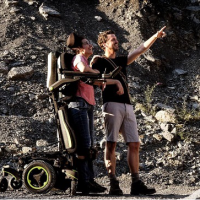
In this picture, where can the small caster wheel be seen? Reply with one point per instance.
(14, 184)
(3, 184)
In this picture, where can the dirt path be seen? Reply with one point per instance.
(163, 192)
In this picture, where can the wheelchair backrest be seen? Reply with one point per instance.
(65, 61)
(52, 76)
(57, 63)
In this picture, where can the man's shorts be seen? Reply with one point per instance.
(120, 117)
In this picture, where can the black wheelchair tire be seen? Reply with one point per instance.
(39, 177)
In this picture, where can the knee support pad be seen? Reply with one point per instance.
(93, 153)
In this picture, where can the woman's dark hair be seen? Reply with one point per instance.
(74, 42)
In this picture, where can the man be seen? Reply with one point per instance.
(119, 114)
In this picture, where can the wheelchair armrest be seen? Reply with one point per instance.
(92, 75)
(112, 74)
(81, 74)
(60, 83)
(78, 75)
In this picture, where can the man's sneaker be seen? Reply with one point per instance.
(139, 187)
(114, 187)
(95, 187)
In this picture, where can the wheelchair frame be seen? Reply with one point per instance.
(40, 172)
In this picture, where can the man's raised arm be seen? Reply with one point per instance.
(145, 46)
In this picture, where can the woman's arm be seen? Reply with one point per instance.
(85, 68)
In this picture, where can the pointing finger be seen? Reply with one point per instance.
(163, 28)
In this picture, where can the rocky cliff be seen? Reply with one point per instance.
(164, 82)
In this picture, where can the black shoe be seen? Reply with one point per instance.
(84, 188)
(139, 187)
(114, 188)
(95, 187)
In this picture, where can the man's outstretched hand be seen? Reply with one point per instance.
(161, 33)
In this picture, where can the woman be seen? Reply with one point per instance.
(81, 112)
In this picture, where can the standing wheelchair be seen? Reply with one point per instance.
(40, 172)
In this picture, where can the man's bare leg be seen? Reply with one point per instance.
(137, 186)
(109, 157)
(110, 162)
(133, 159)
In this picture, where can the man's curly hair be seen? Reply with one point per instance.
(102, 38)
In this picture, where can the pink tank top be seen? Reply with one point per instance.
(84, 90)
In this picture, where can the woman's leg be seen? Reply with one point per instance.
(81, 126)
(91, 127)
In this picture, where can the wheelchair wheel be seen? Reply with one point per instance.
(3, 184)
(39, 177)
(14, 184)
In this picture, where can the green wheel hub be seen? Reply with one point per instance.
(37, 177)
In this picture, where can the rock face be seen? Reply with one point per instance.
(20, 73)
(169, 142)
